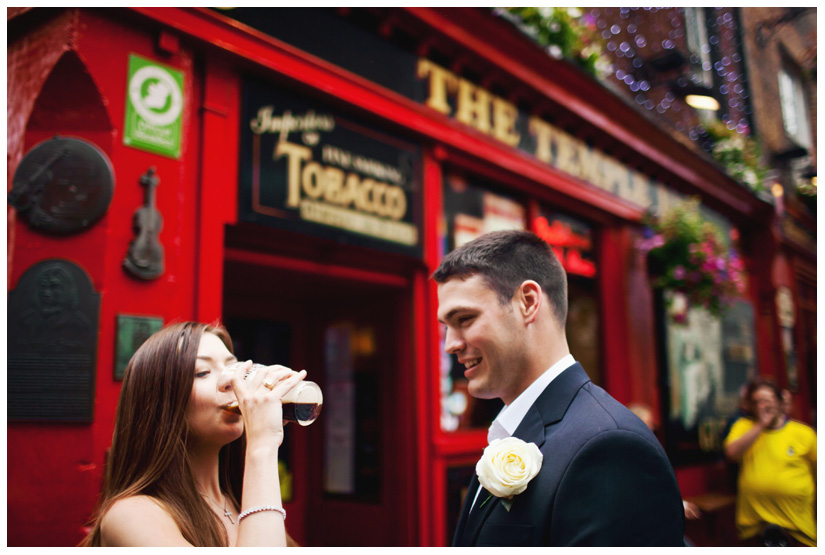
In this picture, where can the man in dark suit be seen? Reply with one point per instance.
(604, 478)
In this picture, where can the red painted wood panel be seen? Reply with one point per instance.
(57, 470)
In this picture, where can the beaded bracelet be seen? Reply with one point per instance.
(248, 512)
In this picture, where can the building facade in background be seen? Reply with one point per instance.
(297, 174)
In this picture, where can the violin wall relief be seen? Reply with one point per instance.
(145, 256)
(63, 186)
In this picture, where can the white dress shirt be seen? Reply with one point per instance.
(511, 415)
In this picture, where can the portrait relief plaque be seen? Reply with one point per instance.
(63, 185)
(52, 344)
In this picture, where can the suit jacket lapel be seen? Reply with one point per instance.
(465, 510)
(470, 521)
(549, 408)
(531, 428)
(551, 405)
(484, 505)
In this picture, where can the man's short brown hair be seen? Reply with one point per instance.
(505, 260)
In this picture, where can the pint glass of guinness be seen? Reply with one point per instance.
(301, 404)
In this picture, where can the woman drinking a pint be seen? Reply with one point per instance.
(182, 470)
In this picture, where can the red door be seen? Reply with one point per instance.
(347, 479)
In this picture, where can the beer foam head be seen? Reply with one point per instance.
(306, 392)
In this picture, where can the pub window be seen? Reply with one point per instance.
(794, 109)
(701, 64)
(572, 241)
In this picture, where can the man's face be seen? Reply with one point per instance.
(486, 336)
(765, 402)
(52, 290)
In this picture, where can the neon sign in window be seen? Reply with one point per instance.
(571, 241)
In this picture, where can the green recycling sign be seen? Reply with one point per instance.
(154, 104)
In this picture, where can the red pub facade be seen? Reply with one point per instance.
(297, 175)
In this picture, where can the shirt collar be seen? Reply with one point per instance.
(511, 415)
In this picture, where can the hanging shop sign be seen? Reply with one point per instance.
(307, 168)
(154, 106)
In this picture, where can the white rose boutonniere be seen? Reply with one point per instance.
(507, 466)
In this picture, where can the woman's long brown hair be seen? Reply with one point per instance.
(149, 454)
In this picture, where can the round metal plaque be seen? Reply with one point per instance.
(63, 185)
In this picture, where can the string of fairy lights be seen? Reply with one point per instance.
(631, 36)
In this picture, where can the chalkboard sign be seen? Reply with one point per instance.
(52, 344)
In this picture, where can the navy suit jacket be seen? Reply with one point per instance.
(605, 479)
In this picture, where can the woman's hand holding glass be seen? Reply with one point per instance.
(259, 398)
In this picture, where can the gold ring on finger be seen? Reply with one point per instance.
(269, 384)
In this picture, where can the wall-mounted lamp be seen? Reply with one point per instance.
(696, 96)
(791, 153)
(666, 62)
(777, 190)
(807, 184)
(701, 102)
(667, 68)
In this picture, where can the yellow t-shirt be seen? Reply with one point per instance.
(777, 480)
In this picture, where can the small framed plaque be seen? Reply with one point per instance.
(132, 331)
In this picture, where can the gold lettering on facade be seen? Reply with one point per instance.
(267, 122)
(294, 153)
(614, 174)
(543, 132)
(441, 82)
(592, 166)
(568, 159)
(641, 189)
(334, 184)
(497, 117)
(473, 106)
(313, 180)
(505, 115)
(309, 179)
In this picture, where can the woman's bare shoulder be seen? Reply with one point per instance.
(139, 520)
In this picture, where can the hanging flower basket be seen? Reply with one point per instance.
(689, 256)
(565, 33)
(738, 154)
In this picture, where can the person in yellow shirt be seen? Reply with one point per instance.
(776, 495)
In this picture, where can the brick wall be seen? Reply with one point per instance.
(768, 45)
